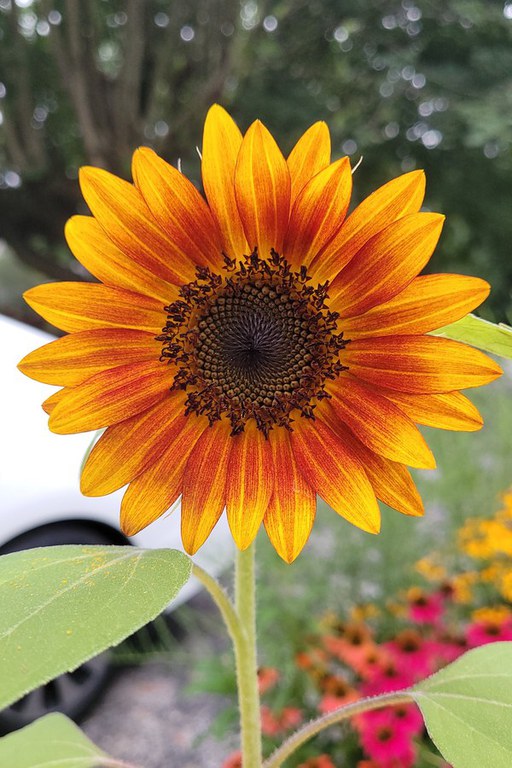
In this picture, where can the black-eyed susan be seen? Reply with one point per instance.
(257, 348)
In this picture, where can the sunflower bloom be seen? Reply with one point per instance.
(257, 348)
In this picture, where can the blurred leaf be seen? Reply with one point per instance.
(63, 605)
(53, 741)
(480, 333)
(467, 708)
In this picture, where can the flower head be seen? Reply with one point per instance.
(386, 742)
(425, 607)
(257, 348)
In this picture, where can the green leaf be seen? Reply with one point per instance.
(467, 708)
(480, 333)
(62, 605)
(53, 741)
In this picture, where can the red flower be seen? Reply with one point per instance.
(233, 761)
(267, 678)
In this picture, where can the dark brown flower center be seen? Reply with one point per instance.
(257, 342)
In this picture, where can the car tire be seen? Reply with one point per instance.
(72, 693)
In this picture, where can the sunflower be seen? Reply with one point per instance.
(257, 348)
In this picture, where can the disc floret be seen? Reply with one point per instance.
(257, 342)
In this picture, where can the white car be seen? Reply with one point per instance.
(41, 504)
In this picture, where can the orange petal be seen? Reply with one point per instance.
(128, 448)
(318, 212)
(419, 364)
(51, 402)
(291, 511)
(83, 306)
(262, 188)
(386, 264)
(379, 423)
(111, 396)
(451, 410)
(393, 484)
(391, 481)
(429, 302)
(204, 485)
(388, 203)
(249, 484)
(178, 208)
(221, 143)
(72, 359)
(310, 155)
(98, 254)
(123, 214)
(335, 474)
(154, 491)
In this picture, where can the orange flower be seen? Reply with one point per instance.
(256, 349)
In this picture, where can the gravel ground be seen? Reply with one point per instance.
(149, 719)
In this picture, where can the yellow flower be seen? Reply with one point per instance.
(431, 569)
(493, 573)
(505, 513)
(505, 584)
(256, 348)
(462, 585)
(496, 614)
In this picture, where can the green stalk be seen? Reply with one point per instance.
(241, 624)
(246, 658)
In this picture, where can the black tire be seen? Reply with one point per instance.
(73, 693)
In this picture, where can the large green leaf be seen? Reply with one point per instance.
(50, 742)
(467, 708)
(59, 606)
(480, 333)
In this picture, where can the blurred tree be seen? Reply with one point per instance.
(416, 83)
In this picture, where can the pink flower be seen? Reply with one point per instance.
(389, 678)
(411, 654)
(483, 632)
(425, 608)
(408, 718)
(405, 718)
(386, 743)
(447, 649)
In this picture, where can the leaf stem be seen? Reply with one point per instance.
(314, 727)
(221, 599)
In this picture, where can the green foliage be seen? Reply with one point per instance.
(63, 605)
(416, 84)
(480, 333)
(467, 708)
(52, 741)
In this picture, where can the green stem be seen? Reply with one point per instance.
(314, 727)
(241, 625)
(246, 658)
